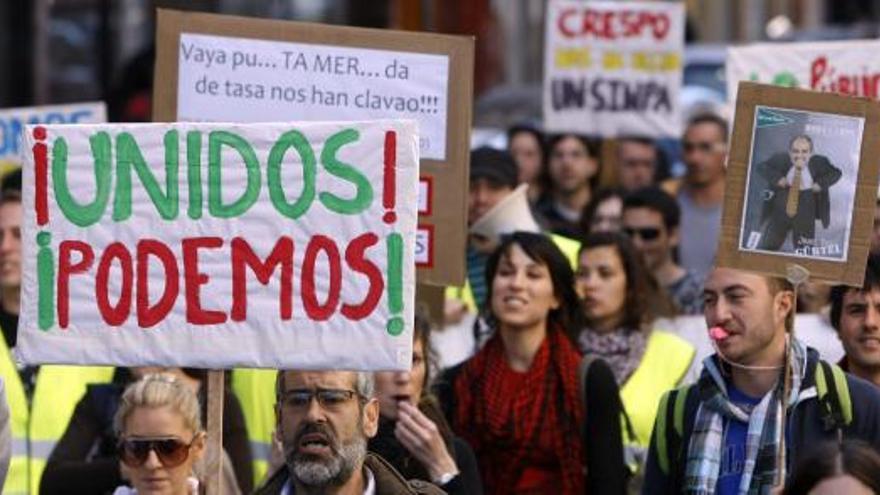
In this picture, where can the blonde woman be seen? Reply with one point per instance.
(160, 430)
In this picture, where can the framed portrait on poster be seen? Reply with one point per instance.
(801, 184)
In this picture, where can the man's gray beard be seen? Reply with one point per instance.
(334, 472)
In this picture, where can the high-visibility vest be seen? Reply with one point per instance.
(255, 389)
(666, 360)
(569, 247)
(35, 430)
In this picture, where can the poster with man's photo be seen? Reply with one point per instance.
(803, 167)
(802, 182)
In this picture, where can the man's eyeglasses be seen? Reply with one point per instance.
(171, 451)
(703, 146)
(328, 398)
(647, 233)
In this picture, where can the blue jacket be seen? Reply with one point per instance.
(804, 428)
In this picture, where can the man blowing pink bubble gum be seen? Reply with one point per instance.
(719, 435)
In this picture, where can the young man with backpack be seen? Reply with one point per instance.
(721, 434)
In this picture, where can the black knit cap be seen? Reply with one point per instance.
(494, 165)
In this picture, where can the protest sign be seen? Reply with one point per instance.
(613, 68)
(284, 245)
(801, 183)
(844, 67)
(13, 120)
(224, 68)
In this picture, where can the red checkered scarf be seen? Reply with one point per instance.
(503, 437)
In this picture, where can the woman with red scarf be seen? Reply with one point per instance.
(518, 401)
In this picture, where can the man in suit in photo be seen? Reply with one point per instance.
(799, 181)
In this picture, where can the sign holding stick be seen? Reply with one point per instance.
(234, 69)
(216, 246)
(801, 183)
(613, 68)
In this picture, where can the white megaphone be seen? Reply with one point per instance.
(510, 215)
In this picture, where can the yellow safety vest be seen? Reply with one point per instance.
(666, 360)
(35, 430)
(255, 389)
(569, 247)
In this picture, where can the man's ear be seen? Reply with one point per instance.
(371, 417)
(784, 303)
(673, 236)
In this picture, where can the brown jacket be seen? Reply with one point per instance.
(388, 481)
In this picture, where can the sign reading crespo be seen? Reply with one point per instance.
(211, 245)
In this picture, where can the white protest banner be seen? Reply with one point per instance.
(224, 79)
(844, 67)
(13, 120)
(220, 245)
(613, 68)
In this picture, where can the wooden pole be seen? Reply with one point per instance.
(608, 159)
(214, 447)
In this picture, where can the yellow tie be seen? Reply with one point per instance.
(794, 191)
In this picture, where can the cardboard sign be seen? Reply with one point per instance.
(13, 121)
(220, 245)
(844, 67)
(235, 69)
(801, 184)
(613, 68)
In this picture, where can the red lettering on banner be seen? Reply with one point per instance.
(147, 315)
(114, 315)
(65, 270)
(242, 256)
(613, 24)
(354, 257)
(194, 279)
(825, 77)
(315, 310)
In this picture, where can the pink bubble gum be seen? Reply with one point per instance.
(718, 333)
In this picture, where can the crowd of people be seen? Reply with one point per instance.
(574, 377)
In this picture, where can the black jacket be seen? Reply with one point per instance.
(804, 428)
(824, 174)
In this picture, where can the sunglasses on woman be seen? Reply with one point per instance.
(171, 451)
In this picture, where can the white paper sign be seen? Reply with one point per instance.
(613, 68)
(224, 79)
(13, 120)
(285, 245)
(845, 67)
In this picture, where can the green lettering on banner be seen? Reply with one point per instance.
(128, 156)
(83, 215)
(194, 173)
(216, 140)
(299, 142)
(46, 281)
(364, 195)
(395, 283)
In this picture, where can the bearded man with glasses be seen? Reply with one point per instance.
(324, 419)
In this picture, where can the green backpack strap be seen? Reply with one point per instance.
(670, 413)
(832, 390)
